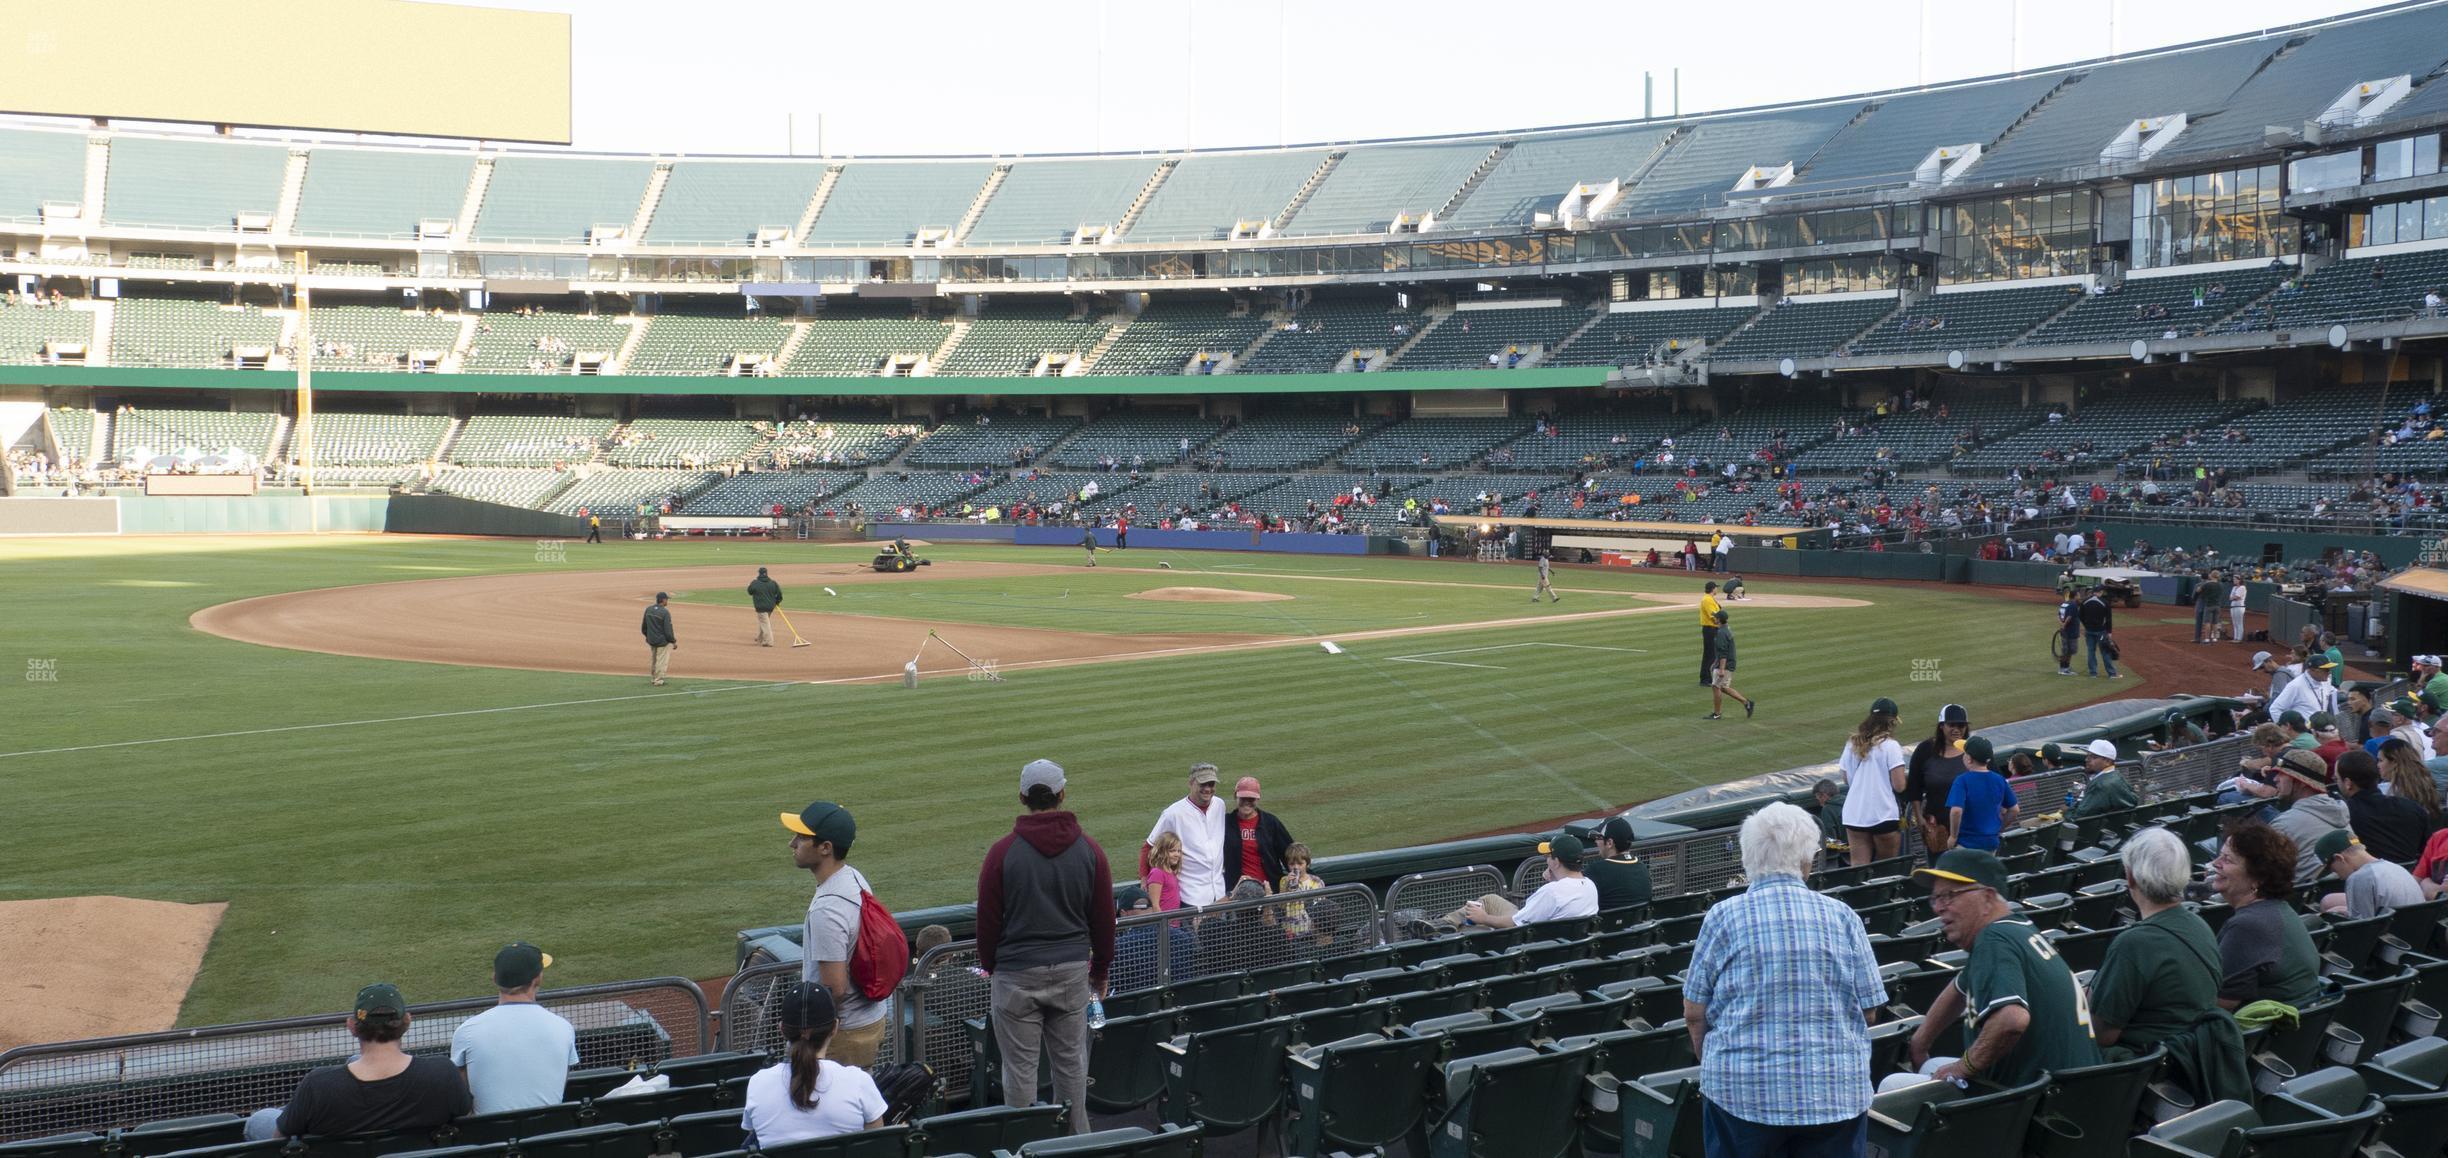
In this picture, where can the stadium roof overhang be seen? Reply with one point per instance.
(2428, 582)
(1134, 385)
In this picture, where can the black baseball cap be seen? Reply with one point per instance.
(805, 1004)
(380, 1003)
(1883, 704)
(1979, 750)
(1617, 829)
(518, 965)
(824, 820)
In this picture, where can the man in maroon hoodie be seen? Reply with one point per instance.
(1045, 931)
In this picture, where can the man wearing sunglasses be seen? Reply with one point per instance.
(2023, 1013)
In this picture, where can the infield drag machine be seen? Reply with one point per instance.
(897, 560)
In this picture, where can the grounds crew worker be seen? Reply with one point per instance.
(660, 638)
(1708, 634)
(594, 528)
(766, 595)
(1088, 544)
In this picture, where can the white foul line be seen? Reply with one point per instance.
(400, 719)
(1422, 656)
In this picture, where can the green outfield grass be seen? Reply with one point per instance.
(367, 819)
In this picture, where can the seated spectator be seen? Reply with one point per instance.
(518, 1054)
(1775, 1000)
(382, 1089)
(2264, 952)
(2158, 986)
(2404, 774)
(2373, 886)
(806, 1095)
(1135, 945)
(1620, 877)
(2392, 827)
(1566, 895)
(2019, 1004)
(2106, 790)
(2311, 811)
(1827, 803)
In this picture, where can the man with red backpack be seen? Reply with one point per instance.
(852, 945)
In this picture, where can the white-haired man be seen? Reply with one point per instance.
(1776, 1000)
(2158, 985)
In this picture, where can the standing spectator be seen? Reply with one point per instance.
(2235, 608)
(1045, 933)
(2106, 790)
(821, 835)
(1622, 880)
(2098, 627)
(2373, 886)
(2158, 985)
(2264, 952)
(2307, 695)
(1298, 879)
(518, 1054)
(1776, 1000)
(1566, 895)
(1163, 875)
(382, 1089)
(2303, 784)
(764, 594)
(1980, 804)
(1931, 773)
(1200, 822)
(2272, 665)
(1874, 769)
(2392, 826)
(2022, 1009)
(661, 640)
(1254, 840)
(808, 1094)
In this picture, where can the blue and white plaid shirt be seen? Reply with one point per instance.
(1785, 975)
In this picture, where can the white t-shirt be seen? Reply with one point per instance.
(517, 1056)
(846, 1100)
(1561, 899)
(1202, 837)
(1869, 789)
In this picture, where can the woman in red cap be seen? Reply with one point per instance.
(1254, 841)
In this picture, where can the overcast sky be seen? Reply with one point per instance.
(1024, 76)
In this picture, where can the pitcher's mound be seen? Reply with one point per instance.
(1208, 595)
(98, 966)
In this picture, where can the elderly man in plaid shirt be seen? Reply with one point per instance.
(1776, 999)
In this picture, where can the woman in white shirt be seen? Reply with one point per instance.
(806, 1096)
(1874, 766)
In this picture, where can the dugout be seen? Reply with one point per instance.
(2417, 611)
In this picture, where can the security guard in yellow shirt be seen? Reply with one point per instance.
(1708, 633)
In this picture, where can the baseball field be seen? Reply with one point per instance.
(388, 755)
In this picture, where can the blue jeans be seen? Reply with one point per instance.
(2092, 658)
(1725, 1136)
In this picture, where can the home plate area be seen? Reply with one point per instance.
(1429, 657)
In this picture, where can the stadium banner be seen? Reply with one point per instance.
(344, 381)
(486, 73)
(58, 515)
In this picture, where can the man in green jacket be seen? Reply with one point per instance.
(766, 595)
(2106, 790)
(660, 638)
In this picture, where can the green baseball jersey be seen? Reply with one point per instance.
(2159, 979)
(2107, 792)
(2013, 964)
(1725, 646)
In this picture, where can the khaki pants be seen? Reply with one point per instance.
(764, 629)
(858, 1047)
(1044, 1009)
(662, 661)
(1496, 906)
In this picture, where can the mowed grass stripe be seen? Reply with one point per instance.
(633, 838)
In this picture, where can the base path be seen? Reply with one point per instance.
(97, 966)
(587, 621)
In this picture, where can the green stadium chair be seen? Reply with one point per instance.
(1228, 1079)
(1410, 1007)
(1201, 990)
(2417, 1067)
(1120, 1076)
(1310, 997)
(2099, 906)
(2090, 1112)
(1228, 1012)
(656, 1105)
(610, 1140)
(1136, 1002)
(707, 1133)
(2318, 1096)
(2352, 943)
(86, 1144)
(595, 1083)
(168, 1134)
(510, 1125)
(1360, 1093)
(881, 1142)
(1561, 1015)
(1473, 1033)
(1658, 1114)
(2414, 929)
(991, 1128)
(488, 1150)
(2367, 1012)
(1276, 977)
(1356, 961)
(377, 1145)
(712, 1067)
(1530, 956)
(1127, 1142)
(1514, 1102)
(1623, 1055)
(1889, 1043)
(1938, 1120)
(2084, 951)
(1890, 949)
(1336, 1023)
(2415, 1125)
(1457, 968)
(1593, 972)
(2214, 1131)
(1498, 992)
